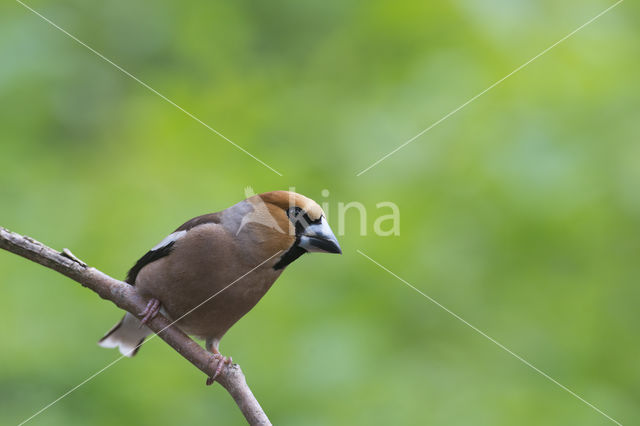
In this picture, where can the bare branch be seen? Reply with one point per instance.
(126, 297)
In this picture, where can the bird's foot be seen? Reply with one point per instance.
(221, 361)
(152, 309)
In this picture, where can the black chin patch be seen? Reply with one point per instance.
(292, 254)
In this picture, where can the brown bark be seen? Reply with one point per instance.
(126, 297)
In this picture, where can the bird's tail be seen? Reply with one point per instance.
(127, 335)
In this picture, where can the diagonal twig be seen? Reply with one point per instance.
(126, 297)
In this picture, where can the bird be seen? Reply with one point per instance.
(214, 268)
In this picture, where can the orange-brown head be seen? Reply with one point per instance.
(300, 219)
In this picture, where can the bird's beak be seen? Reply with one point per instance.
(319, 238)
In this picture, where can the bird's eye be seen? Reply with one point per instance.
(299, 218)
(293, 213)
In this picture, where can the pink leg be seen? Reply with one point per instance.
(150, 311)
(221, 361)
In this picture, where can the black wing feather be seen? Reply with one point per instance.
(150, 256)
(153, 255)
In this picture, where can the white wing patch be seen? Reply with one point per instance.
(169, 239)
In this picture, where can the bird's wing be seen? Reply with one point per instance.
(165, 246)
(159, 251)
(200, 220)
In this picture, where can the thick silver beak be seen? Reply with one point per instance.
(319, 238)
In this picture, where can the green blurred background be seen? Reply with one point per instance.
(520, 213)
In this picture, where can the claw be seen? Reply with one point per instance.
(152, 309)
(221, 361)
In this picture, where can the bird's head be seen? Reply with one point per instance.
(299, 220)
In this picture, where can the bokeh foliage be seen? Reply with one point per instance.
(520, 213)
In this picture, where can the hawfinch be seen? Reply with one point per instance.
(213, 269)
